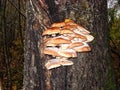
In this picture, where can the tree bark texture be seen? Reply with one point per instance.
(5, 48)
(34, 71)
(89, 71)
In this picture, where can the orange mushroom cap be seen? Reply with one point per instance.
(70, 27)
(51, 51)
(82, 48)
(67, 53)
(57, 40)
(75, 44)
(61, 24)
(89, 38)
(66, 31)
(53, 63)
(52, 30)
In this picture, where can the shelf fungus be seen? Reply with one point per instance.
(63, 41)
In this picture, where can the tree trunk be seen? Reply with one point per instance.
(1, 85)
(34, 70)
(5, 48)
(90, 70)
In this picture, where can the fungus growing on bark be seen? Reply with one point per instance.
(69, 38)
(56, 41)
(52, 30)
(54, 63)
(59, 25)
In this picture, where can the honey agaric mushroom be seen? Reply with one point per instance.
(74, 35)
(66, 31)
(75, 44)
(53, 63)
(67, 53)
(63, 46)
(61, 24)
(78, 36)
(78, 27)
(70, 27)
(71, 34)
(50, 31)
(57, 40)
(54, 51)
(82, 48)
(89, 38)
(51, 51)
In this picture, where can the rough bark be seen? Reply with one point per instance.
(5, 48)
(89, 71)
(34, 71)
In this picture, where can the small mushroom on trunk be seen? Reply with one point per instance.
(84, 48)
(53, 63)
(57, 40)
(78, 27)
(67, 53)
(51, 51)
(50, 31)
(66, 31)
(75, 44)
(57, 62)
(59, 25)
(70, 27)
(78, 36)
(89, 38)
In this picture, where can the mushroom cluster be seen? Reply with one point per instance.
(63, 40)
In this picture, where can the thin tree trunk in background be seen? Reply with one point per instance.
(90, 69)
(20, 28)
(5, 49)
(1, 85)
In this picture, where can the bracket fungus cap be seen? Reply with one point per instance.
(61, 24)
(51, 51)
(53, 63)
(57, 40)
(67, 53)
(50, 31)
